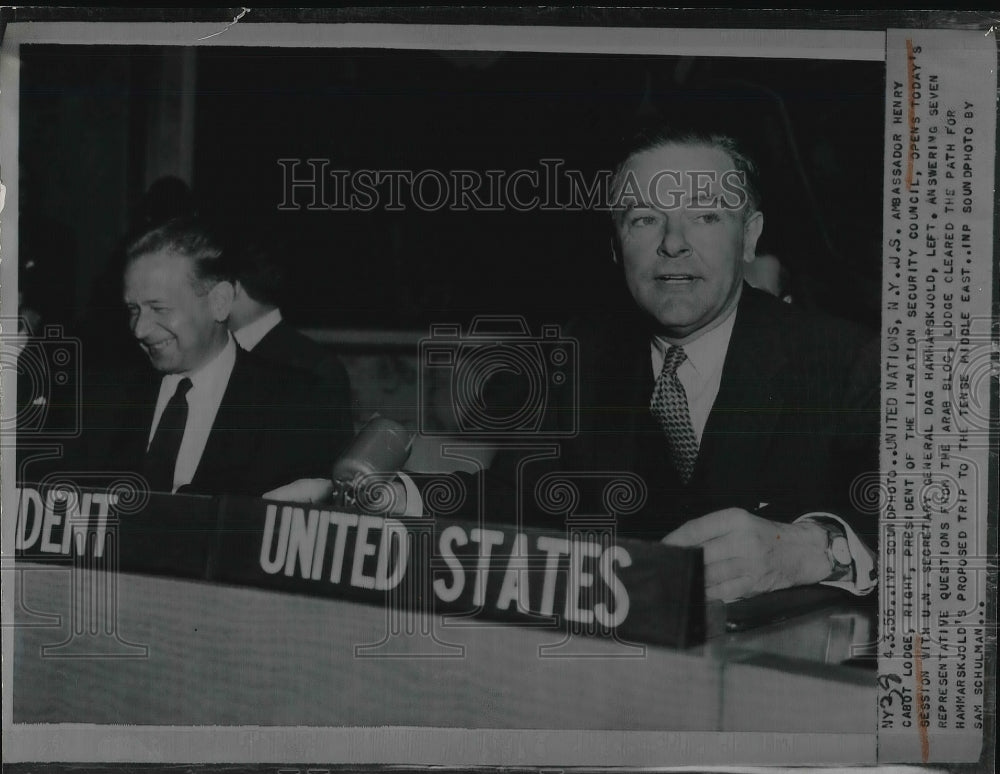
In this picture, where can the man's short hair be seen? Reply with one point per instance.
(656, 134)
(188, 236)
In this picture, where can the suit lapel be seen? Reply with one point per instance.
(137, 415)
(749, 404)
(627, 387)
(227, 444)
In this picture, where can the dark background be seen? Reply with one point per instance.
(97, 125)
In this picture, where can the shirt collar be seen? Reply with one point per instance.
(215, 372)
(707, 352)
(249, 335)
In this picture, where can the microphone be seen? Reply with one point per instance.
(362, 476)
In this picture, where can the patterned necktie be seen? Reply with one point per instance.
(161, 457)
(670, 407)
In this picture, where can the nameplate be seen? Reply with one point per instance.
(584, 579)
(121, 528)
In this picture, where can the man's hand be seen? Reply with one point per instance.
(305, 490)
(746, 555)
(385, 499)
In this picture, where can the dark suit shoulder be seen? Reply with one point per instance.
(286, 345)
(609, 337)
(272, 385)
(259, 376)
(322, 396)
(802, 335)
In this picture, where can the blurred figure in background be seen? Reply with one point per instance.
(769, 274)
(259, 326)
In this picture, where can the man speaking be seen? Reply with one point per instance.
(759, 417)
(748, 420)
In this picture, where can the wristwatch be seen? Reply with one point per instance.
(838, 552)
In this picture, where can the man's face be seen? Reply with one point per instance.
(684, 264)
(179, 326)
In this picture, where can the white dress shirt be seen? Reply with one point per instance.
(701, 373)
(701, 376)
(249, 335)
(208, 385)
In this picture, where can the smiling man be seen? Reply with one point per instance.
(177, 315)
(217, 420)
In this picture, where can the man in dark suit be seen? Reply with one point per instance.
(212, 418)
(259, 327)
(748, 421)
(791, 427)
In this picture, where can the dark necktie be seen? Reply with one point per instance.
(670, 407)
(161, 458)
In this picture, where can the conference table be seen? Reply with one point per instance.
(176, 651)
(187, 616)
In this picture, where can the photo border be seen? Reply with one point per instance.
(362, 28)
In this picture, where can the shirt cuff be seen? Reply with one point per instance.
(865, 578)
(414, 502)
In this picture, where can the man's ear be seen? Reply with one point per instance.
(752, 228)
(221, 299)
(616, 240)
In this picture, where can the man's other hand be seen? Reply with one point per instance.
(388, 500)
(305, 490)
(747, 555)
